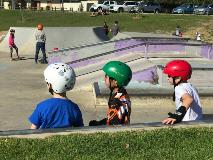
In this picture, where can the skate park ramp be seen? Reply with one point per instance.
(141, 53)
(145, 56)
(57, 37)
(125, 35)
(87, 62)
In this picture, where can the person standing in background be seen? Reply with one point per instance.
(40, 44)
(115, 29)
(106, 28)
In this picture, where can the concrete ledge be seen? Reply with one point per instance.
(145, 37)
(43, 133)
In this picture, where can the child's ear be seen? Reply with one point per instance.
(178, 79)
(116, 83)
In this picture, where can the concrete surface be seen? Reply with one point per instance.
(57, 37)
(100, 129)
(22, 87)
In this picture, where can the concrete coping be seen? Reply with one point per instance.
(117, 50)
(148, 40)
(146, 89)
(43, 133)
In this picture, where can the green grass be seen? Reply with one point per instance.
(177, 144)
(128, 22)
(161, 23)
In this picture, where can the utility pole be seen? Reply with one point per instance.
(62, 5)
(13, 7)
(1, 4)
(21, 13)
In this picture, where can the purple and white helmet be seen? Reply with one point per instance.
(61, 76)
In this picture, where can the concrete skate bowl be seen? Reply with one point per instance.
(141, 53)
(57, 37)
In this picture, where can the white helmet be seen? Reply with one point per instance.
(61, 76)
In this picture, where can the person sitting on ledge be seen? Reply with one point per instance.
(59, 111)
(188, 106)
(99, 12)
(117, 75)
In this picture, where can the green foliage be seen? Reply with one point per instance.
(178, 144)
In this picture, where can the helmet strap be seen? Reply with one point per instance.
(122, 90)
(173, 78)
(50, 88)
(111, 89)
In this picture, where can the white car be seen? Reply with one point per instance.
(104, 6)
(124, 7)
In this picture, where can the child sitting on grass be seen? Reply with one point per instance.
(188, 106)
(59, 111)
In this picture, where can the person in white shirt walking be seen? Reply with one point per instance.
(188, 106)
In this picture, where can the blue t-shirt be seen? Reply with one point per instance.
(56, 113)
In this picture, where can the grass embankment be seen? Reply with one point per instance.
(187, 144)
(161, 23)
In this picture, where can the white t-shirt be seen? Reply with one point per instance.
(195, 111)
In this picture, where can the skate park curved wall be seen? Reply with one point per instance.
(57, 37)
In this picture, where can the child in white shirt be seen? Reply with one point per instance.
(188, 106)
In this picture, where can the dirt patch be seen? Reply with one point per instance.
(2, 35)
(205, 29)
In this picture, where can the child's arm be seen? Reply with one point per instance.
(187, 100)
(45, 38)
(35, 119)
(33, 126)
(178, 116)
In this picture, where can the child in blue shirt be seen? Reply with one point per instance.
(58, 111)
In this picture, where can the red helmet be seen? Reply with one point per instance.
(40, 26)
(178, 68)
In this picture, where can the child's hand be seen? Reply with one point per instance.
(93, 123)
(169, 121)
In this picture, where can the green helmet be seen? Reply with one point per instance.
(119, 71)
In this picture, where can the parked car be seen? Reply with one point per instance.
(104, 6)
(146, 7)
(204, 9)
(184, 8)
(123, 7)
(137, 9)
